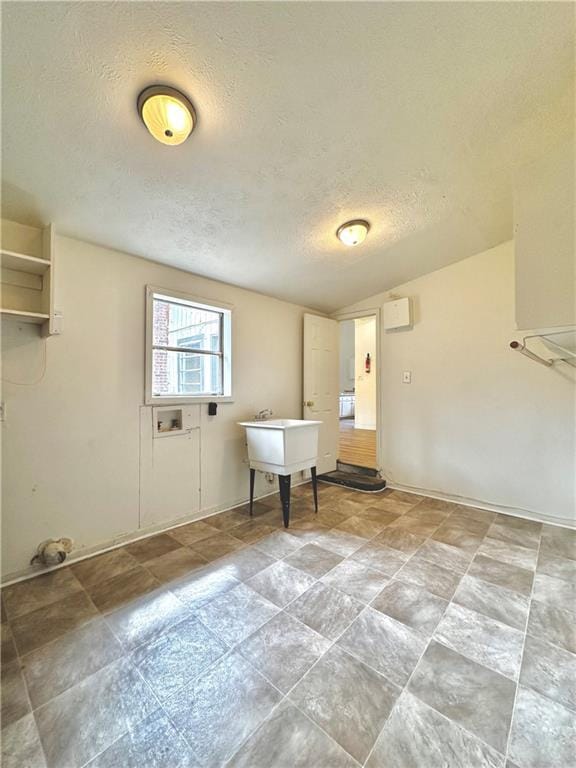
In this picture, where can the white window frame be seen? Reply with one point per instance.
(226, 310)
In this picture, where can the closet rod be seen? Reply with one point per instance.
(525, 351)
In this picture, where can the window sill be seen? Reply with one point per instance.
(200, 399)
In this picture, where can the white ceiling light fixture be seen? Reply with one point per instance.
(168, 115)
(353, 232)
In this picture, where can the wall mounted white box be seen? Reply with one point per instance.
(397, 314)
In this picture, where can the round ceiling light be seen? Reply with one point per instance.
(353, 232)
(167, 113)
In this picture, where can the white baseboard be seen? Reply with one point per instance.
(527, 514)
(144, 533)
(127, 538)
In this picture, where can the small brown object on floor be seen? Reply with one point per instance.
(52, 551)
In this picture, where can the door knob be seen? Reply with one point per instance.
(309, 403)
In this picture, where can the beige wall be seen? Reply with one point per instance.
(71, 441)
(365, 343)
(478, 421)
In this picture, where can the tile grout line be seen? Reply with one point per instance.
(124, 657)
(127, 653)
(361, 661)
(160, 704)
(543, 639)
(131, 650)
(21, 664)
(475, 661)
(523, 651)
(308, 671)
(203, 672)
(30, 712)
(503, 624)
(152, 692)
(402, 690)
(284, 699)
(431, 638)
(229, 650)
(516, 682)
(569, 708)
(286, 695)
(334, 644)
(449, 602)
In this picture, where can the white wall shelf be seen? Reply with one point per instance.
(31, 317)
(22, 262)
(27, 275)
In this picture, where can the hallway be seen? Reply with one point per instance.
(357, 446)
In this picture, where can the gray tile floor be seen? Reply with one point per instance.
(389, 630)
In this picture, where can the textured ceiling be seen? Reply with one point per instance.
(413, 115)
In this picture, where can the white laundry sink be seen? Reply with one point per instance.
(282, 446)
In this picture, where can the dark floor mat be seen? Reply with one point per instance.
(359, 482)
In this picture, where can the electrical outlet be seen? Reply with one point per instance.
(406, 377)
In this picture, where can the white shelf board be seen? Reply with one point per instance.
(23, 263)
(28, 317)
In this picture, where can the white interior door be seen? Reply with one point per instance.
(321, 385)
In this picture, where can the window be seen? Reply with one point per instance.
(188, 348)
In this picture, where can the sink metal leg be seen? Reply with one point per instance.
(315, 488)
(284, 481)
(252, 477)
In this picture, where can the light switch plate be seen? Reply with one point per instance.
(406, 377)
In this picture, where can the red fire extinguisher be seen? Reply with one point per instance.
(367, 363)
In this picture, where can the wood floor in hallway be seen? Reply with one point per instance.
(357, 446)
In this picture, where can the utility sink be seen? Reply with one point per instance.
(282, 446)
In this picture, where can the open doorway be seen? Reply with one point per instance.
(343, 397)
(357, 444)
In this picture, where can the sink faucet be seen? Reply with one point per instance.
(263, 415)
